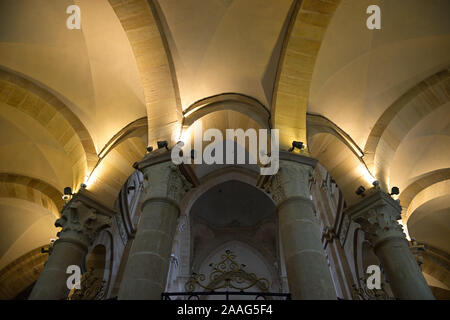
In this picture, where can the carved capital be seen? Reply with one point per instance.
(378, 214)
(165, 181)
(81, 223)
(292, 180)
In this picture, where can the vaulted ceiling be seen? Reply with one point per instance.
(82, 105)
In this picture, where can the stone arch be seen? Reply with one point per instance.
(100, 259)
(266, 224)
(142, 25)
(425, 181)
(347, 169)
(427, 215)
(436, 265)
(96, 259)
(400, 118)
(115, 164)
(230, 173)
(21, 273)
(246, 105)
(129, 202)
(37, 191)
(319, 124)
(228, 112)
(301, 46)
(57, 118)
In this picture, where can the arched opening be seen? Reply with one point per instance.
(93, 285)
(233, 240)
(96, 261)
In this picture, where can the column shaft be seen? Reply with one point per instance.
(402, 270)
(306, 265)
(80, 225)
(377, 214)
(148, 262)
(51, 284)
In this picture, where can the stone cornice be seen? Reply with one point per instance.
(288, 156)
(377, 214)
(375, 198)
(81, 220)
(295, 157)
(86, 198)
(153, 158)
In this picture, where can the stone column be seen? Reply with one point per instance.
(148, 262)
(80, 224)
(377, 213)
(306, 265)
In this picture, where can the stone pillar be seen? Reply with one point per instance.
(148, 262)
(306, 265)
(80, 224)
(377, 213)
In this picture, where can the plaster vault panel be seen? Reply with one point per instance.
(359, 73)
(224, 46)
(92, 70)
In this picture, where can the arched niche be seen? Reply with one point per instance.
(97, 269)
(249, 259)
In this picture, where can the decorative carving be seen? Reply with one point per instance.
(91, 288)
(378, 214)
(164, 180)
(364, 293)
(177, 184)
(344, 229)
(120, 226)
(275, 188)
(80, 222)
(379, 224)
(227, 274)
(292, 180)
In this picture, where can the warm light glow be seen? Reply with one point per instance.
(366, 174)
(405, 229)
(185, 134)
(90, 180)
(190, 112)
(358, 152)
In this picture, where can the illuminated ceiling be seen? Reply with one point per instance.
(116, 71)
(223, 46)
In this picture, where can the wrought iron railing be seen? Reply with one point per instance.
(227, 295)
(226, 275)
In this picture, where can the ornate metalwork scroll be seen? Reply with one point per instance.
(92, 288)
(364, 293)
(227, 274)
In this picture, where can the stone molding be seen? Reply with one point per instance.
(377, 214)
(163, 181)
(291, 181)
(82, 219)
